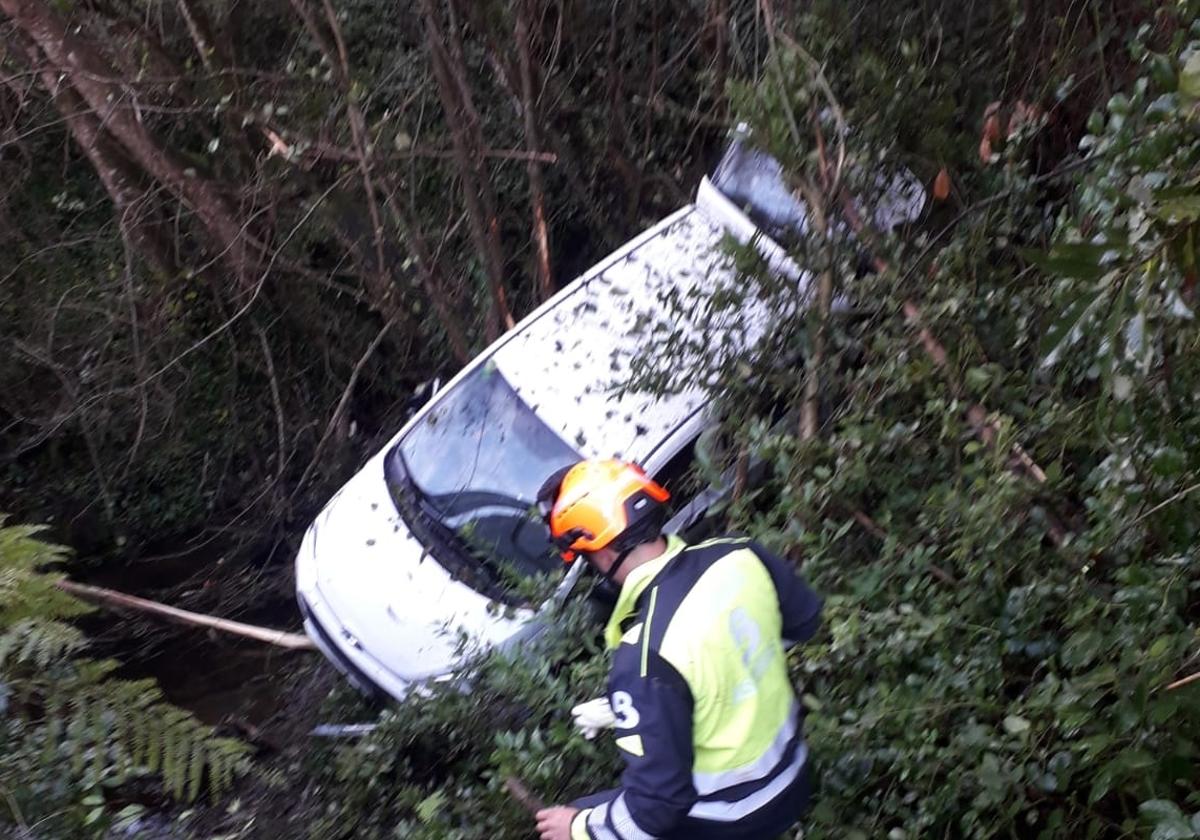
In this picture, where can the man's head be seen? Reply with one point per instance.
(603, 510)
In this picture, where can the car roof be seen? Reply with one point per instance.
(568, 360)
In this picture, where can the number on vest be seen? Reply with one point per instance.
(622, 705)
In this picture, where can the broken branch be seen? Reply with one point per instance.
(1185, 681)
(874, 529)
(111, 598)
(529, 800)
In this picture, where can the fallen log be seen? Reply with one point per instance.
(112, 598)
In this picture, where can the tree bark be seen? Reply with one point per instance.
(446, 61)
(92, 76)
(529, 108)
(432, 279)
(560, 146)
(119, 600)
(123, 182)
(200, 28)
(718, 21)
(810, 407)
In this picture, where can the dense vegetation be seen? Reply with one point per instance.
(987, 461)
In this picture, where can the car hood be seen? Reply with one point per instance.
(393, 600)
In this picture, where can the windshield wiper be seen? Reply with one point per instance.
(404, 473)
(464, 501)
(443, 542)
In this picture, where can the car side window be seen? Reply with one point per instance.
(679, 476)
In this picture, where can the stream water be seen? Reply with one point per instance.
(222, 679)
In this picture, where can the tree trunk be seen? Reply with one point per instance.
(201, 29)
(432, 280)
(94, 78)
(718, 21)
(123, 182)
(380, 286)
(560, 145)
(537, 192)
(445, 52)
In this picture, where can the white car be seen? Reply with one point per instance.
(401, 575)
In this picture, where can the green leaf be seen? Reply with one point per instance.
(1016, 725)
(1119, 104)
(978, 378)
(1137, 760)
(1182, 209)
(1082, 648)
(1101, 784)
(1093, 745)
(1170, 823)
(1160, 809)
(431, 806)
(1063, 332)
(1081, 261)
(1189, 77)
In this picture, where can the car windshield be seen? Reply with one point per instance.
(476, 460)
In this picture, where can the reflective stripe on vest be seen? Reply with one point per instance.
(596, 822)
(734, 811)
(622, 825)
(760, 768)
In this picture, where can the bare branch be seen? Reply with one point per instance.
(281, 447)
(445, 52)
(111, 598)
(541, 237)
(340, 409)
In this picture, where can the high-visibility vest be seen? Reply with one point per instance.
(706, 718)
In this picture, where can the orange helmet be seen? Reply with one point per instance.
(598, 503)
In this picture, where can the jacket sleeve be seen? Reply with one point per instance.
(800, 606)
(653, 707)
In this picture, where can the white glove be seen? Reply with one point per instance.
(592, 716)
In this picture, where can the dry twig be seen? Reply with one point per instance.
(338, 412)
(874, 529)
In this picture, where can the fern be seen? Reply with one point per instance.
(39, 643)
(27, 589)
(65, 717)
(133, 728)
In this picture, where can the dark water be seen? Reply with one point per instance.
(221, 679)
(224, 680)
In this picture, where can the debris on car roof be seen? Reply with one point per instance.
(597, 334)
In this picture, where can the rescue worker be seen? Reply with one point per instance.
(704, 712)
